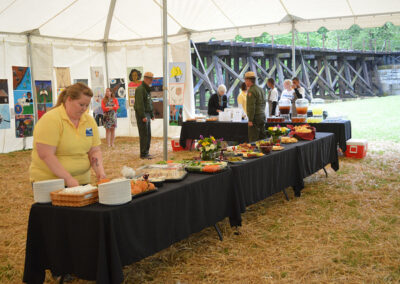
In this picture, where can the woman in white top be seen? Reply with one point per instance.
(272, 96)
(242, 98)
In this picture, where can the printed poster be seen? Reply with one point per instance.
(97, 76)
(175, 115)
(5, 118)
(157, 94)
(177, 72)
(22, 78)
(117, 87)
(122, 112)
(98, 95)
(176, 92)
(23, 125)
(44, 92)
(63, 77)
(4, 99)
(83, 81)
(23, 101)
(134, 75)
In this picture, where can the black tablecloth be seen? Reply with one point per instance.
(96, 241)
(341, 129)
(237, 131)
(260, 178)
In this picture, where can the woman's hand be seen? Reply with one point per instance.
(71, 182)
(101, 176)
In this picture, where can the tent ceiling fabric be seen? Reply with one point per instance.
(204, 19)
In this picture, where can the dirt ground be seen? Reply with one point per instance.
(344, 228)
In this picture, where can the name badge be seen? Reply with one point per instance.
(89, 132)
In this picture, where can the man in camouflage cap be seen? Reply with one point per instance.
(256, 102)
(144, 112)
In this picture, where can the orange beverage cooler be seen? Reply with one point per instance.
(356, 148)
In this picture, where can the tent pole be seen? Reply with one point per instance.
(293, 52)
(106, 60)
(30, 64)
(165, 81)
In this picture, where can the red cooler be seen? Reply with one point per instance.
(356, 148)
(176, 147)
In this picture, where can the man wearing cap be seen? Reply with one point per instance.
(255, 108)
(144, 112)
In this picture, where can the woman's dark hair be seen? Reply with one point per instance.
(139, 74)
(243, 87)
(271, 81)
(295, 79)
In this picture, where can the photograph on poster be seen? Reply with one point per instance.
(44, 92)
(4, 116)
(117, 87)
(63, 77)
(23, 125)
(175, 115)
(131, 95)
(177, 72)
(23, 102)
(122, 112)
(156, 91)
(97, 76)
(21, 78)
(176, 92)
(83, 81)
(134, 75)
(4, 91)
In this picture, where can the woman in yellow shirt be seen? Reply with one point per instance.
(66, 140)
(242, 98)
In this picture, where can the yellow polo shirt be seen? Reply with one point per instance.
(73, 144)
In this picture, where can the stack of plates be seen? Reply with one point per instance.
(42, 189)
(115, 192)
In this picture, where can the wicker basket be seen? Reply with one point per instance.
(74, 200)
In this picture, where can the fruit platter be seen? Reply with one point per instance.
(252, 155)
(206, 166)
(235, 160)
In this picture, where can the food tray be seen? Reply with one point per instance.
(74, 200)
(171, 172)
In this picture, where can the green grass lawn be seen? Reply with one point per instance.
(375, 119)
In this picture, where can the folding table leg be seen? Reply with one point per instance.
(326, 173)
(286, 195)
(221, 238)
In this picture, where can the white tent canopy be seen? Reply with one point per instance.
(116, 34)
(203, 19)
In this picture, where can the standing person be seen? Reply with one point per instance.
(66, 142)
(242, 97)
(272, 96)
(110, 106)
(144, 112)
(218, 102)
(255, 108)
(299, 93)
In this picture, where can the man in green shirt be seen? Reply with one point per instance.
(256, 102)
(144, 112)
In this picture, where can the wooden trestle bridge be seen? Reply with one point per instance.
(324, 73)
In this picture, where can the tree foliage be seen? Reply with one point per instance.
(382, 38)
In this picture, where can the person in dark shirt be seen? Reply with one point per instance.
(218, 102)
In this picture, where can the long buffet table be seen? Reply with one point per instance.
(96, 241)
(237, 131)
